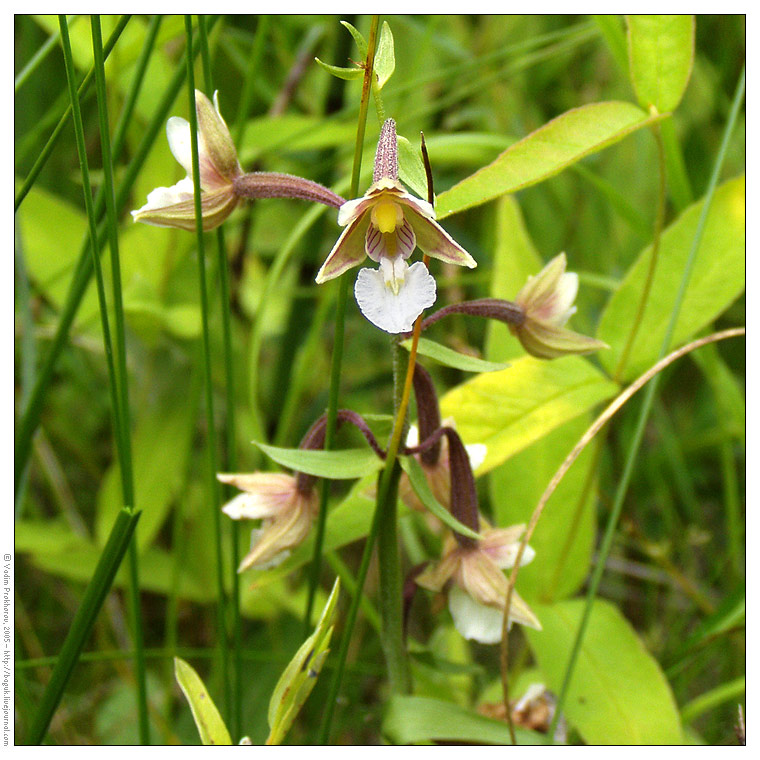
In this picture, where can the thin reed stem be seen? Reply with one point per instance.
(121, 378)
(47, 151)
(211, 443)
(229, 460)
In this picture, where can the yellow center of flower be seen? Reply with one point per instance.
(385, 215)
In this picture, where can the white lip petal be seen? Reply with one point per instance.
(476, 453)
(178, 135)
(246, 506)
(395, 313)
(162, 197)
(474, 620)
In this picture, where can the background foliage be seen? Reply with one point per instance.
(672, 614)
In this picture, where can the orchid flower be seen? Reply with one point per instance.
(286, 510)
(547, 301)
(387, 224)
(477, 587)
(223, 182)
(174, 206)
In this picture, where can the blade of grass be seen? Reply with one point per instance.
(94, 596)
(622, 489)
(211, 444)
(50, 145)
(39, 56)
(234, 703)
(120, 380)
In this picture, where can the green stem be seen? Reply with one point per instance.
(53, 139)
(651, 389)
(81, 627)
(211, 445)
(120, 380)
(230, 459)
(340, 319)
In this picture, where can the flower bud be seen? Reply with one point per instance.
(547, 302)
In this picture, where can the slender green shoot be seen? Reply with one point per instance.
(81, 627)
(120, 380)
(230, 458)
(51, 143)
(211, 444)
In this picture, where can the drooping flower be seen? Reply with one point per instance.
(286, 509)
(547, 301)
(477, 588)
(387, 224)
(218, 164)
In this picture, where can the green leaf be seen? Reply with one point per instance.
(450, 358)
(411, 720)
(51, 272)
(385, 60)
(547, 151)
(166, 426)
(515, 258)
(661, 54)
(612, 30)
(207, 719)
(341, 71)
(335, 465)
(300, 676)
(419, 483)
(618, 694)
(716, 281)
(361, 43)
(410, 167)
(510, 409)
(564, 537)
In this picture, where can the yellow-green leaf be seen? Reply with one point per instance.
(716, 281)
(545, 152)
(300, 676)
(618, 693)
(660, 54)
(510, 409)
(564, 537)
(207, 719)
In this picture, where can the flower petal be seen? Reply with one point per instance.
(162, 197)
(473, 620)
(353, 209)
(178, 135)
(388, 311)
(435, 241)
(376, 243)
(347, 252)
(215, 208)
(246, 506)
